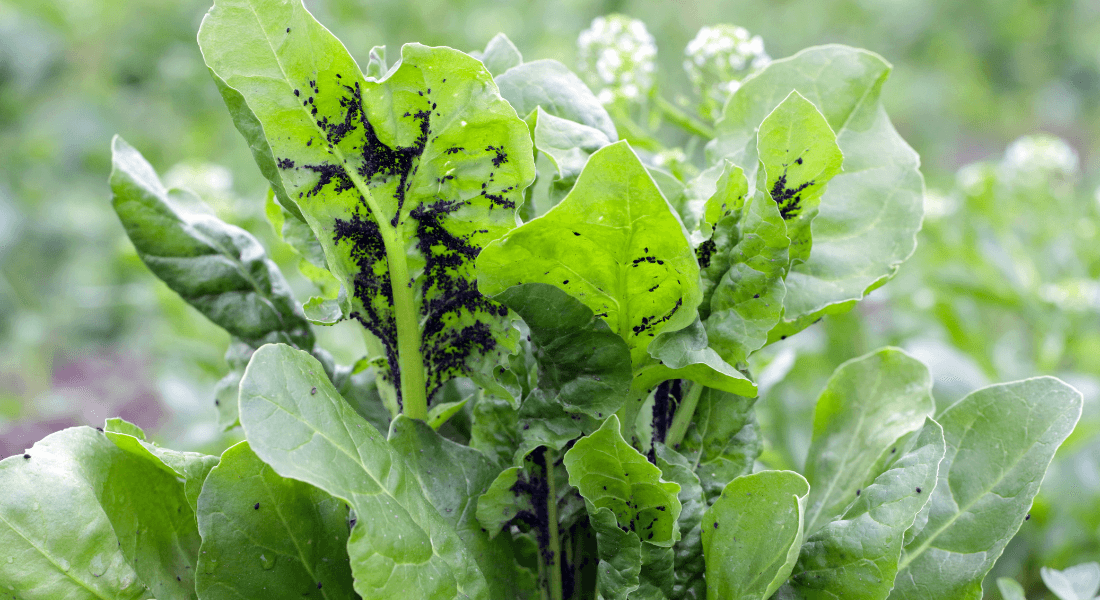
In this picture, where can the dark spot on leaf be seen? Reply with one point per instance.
(918, 490)
(256, 506)
(716, 524)
(285, 163)
(313, 391)
(857, 491)
(27, 456)
(788, 199)
(1027, 517)
(704, 252)
(798, 160)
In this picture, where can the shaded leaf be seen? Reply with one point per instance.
(723, 440)
(689, 563)
(500, 55)
(685, 354)
(569, 145)
(551, 85)
(1079, 582)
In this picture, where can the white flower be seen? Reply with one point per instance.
(717, 59)
(617, 57)
(1040, 160)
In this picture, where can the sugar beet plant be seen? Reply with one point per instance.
(557, 400)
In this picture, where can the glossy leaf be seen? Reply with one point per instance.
(868, 403)
(218, 268)
(265, 536)
(400, 544)
(870, 213)
(403, 180)
(551, 85)
(752, 533)
(723, 440)
(856, 555)
(581, 362)
(1000, 440)
(500, 55)
(685, 354)
(613, 243)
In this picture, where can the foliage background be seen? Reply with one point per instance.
(1005, 283)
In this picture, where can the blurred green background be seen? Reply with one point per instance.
(1005, 283)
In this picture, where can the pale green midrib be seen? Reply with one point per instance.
(410, 361)
(51, 560)
(911, 556)
(308, 567)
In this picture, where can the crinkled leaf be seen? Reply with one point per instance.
(689, 564)
(870, 213)
(266, 536)
(500, 55)
(402, 180)
(297, 423)
(620, 554)
(1000, 440)
(568, 144)
(868, 403)
(494, 429)
(799, 154)
(453, 477)
(752, 533)
(685, 354)
(551, 85)
(581, 362)
(218, 268)
(1079, 582)
(545, 422)
(191, 467)
(137, 536)
(856, 555)
(743, 265)
(613, 243)
(723, 440)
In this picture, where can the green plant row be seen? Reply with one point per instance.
(556, 400)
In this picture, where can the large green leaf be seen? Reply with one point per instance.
(265, 536)
(868, 403)
(81, 518)
(297, 423)
(453, 476)
(752, 533)
(870, 213)
(856, 556)
(1000, 440)
(551, 85)
(613, 243)
(191, 467)
(218, 268)
(581, 363)
(403, 180)
(723, 440)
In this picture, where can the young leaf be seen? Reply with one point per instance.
(403, 180)
(569, 145)
(218, 268)
(191, 467)
(136, 533)
(1079, 582)
(723, 440)
(453, 476)
(868, 403)
(613, 243)
(265, 536)
(1000, 440)
(400, 545)
(798, 152)
(869, 215)
(551, 85)
(752, 533)
(856, 556)
(500, 55)
(685, 354)
(581, 362)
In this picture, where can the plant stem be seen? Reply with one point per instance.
(682, 119)
(684, 414)
(414, 395)
(554, 565)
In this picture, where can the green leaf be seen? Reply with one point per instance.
(551, 85)
(685, 354)
(227, 390)
(870, 213)
(620, 554)
(581, 363)
(403, 180)
(752, 533)
(569, 145)
(376, 63)
(400, 545)
(1010, 590)
(1079, 582)
(689, 563)
(743, 265)
(856, 555)
(799, 154)
(191, 467)
(723, 440)
(218, 268)
(494, 429)
(1000, 440)
(135, 524)
(500, 55)
(613, 243)
(324, 311)
(868, 403)
(265, 536)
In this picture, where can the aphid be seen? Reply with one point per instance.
(857, 491)
(313, 391)
(918, 490)
(256, 506)
(716, 524)
(1027, 517)
(27, 456)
